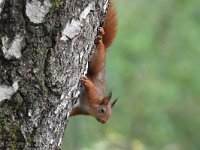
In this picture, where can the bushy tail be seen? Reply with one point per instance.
(110, 26)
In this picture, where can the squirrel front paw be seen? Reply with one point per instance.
(101, 32)
(86, 82)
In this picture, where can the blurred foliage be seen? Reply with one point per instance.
(153, 68)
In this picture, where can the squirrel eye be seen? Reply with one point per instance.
(102, 110)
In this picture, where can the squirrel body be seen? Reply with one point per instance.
(93, 100)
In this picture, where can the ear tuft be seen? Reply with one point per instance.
(109, 95)
(113, 103)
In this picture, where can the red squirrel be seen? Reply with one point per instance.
(93, 100)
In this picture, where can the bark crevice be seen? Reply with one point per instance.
(48, 71)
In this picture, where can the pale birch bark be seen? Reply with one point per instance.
(44, 49)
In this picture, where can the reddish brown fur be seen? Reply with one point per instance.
(93, 100)
(110, 27)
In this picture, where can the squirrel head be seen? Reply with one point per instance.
(104, 108)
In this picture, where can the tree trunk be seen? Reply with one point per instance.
(44, 49)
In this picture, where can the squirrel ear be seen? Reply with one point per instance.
(106, 99)
(109, 96)
(113, 103)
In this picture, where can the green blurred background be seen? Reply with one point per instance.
(153, 67)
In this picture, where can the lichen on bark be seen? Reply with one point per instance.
(47, 66)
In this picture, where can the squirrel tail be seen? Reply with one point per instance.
(110, 26)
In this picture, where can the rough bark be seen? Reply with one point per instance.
(44, 49)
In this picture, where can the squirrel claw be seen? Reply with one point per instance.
(84, 79)
(101, 32)
(98, 39)
(87, 83)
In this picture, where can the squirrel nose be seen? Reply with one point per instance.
(101, 120)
